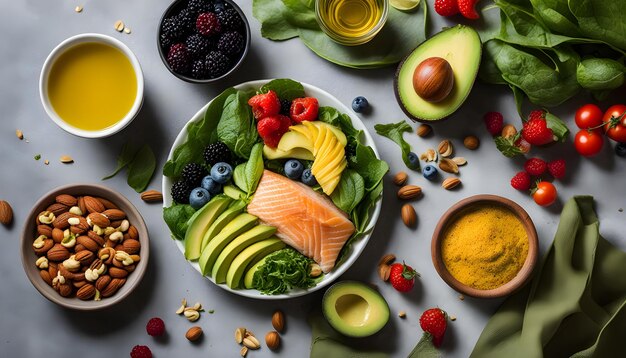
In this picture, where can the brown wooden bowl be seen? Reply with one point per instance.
(29, 233)
(522, 276)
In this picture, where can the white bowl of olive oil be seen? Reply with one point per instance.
(351, 22)
(91, 85)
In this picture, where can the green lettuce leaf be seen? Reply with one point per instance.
(236, 127)
(350, 191)
(176, 217)
(394, 131)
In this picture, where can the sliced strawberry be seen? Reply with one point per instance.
(264, 105)
(304, 109)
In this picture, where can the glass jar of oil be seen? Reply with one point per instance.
(351, 22)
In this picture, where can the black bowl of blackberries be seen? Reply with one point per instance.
(202, 41)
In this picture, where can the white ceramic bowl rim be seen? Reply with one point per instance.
(358, 245)
(69, 43)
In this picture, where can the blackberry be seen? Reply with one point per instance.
(178, 58)
(350, 150)
(217, 64)
(208, 24)
(181, 191)
(173, 29)
(193, 174)
(198, 45)
(165, 41)
(231, 43)
(230, 19)
(199, 6)
(199, 69)
(186, 20)
(217, 152)
(285, 107)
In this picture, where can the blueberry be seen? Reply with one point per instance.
(211, 185)
(199, 197)
(221, 172)
(359, 104)
(293, 169)
(620, 149)
(308, 178)
(414, 160)
(429, 172)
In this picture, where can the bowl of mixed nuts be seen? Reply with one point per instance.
(84, 246)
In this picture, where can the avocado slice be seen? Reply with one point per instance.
(227, 216)
(461, 47)
(242, 223)
(250, 256)
(249, 276)
(225, 258)
(233, 192)
(200, 222)
(355, 309)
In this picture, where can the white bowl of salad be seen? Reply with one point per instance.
(272, 189)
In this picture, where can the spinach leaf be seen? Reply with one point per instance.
(176, 217)
(236, 127)
(368, 166)
(350, 191)
(239, 177)
(601, 20)
(555, 14)
(247, 175)
(124, 158)
(274, 19)
(281, 271)
(333, 117)
(284, 88)
(394, 131)
(141, 169)
(600, 74)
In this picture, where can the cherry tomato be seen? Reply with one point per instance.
(615, 126)
(545, 194)
(588, 143)
(588, 116)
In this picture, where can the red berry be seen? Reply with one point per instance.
(304, 109)
(271, 129)
(265, 105)
(521, 181)
(466, 7)
(446, 7)
(155, 327)
(537, 114)
(557, 168)
(523, 145)
(402, 277)
(435, 322)
(536, 132)
(494, 122)
(140, 352)
(535, 166)
(208, 24)
(178, 58)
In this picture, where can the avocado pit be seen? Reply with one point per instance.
(433, 79)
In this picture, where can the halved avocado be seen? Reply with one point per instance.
(355, 309)
(460, 46)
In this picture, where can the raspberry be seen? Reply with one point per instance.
(535, 166)
(231, 43)
(466, 7)
(536, 132)
(537, 114)
(230, 19)
(217, 64)
(265, 105)
(446, 7)
(198, 45)
(208, 24)
(155, 327)
(557, 168)
(304, 109)
(521, 181)
(178, 58)
(272, 128)
(140, 352)
(494, 122)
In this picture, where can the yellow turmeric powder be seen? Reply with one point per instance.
(485, 246)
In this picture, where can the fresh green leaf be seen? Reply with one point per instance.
(350, 191)
(237, 128)
(254, 168)
(239, 177)
(368, 166)
(283, 270)
(302, 13)
(176, 217)
(394, 131)
(559, 129)
(601, 20)
(333, 117)
(557, 16)
(124, 158)
(285, 88)
(274, 18)
(599, 74)
(425, 348)
(507, 146)
(141, 169)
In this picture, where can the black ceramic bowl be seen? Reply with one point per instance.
(175, 8)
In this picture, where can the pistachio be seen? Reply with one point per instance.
(119, 26)
(240, 333)
(78, 8)
(46, 217)
(445, 148)
(402, 314)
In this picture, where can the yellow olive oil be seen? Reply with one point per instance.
(351, 18)
(92, 86)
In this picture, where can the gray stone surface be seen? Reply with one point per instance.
(30, 326)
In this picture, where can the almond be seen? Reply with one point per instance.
(102, 282)
(47, 245)
(81, 204)
(114, 214)
(471, 142)
(278, 321)
(445, 148)
(79, 284)
(66, 159)
(52, 269)
(88, 243)
(131, 246)
(65, 289)
(57, 235)
(107, 203)
(130, 268)
(400, 178)
(133, 233)
(95, 237)
(384, 271)
(387, 259)
(409, 217)
(448, 166)
(93, 205)
(98, 219)
(450, 183)
(113, 286)
(66, 200)
(44, 230)
(57, 208)
(85, 257)
(45, 275)
(60, 222)
(81, 227)
(194, 333)
(6, 213)
(272, 340)
(423, 130)
(87, 291)
(408, 192)
(116, 272)
(152, 196)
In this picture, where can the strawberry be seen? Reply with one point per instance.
(494, 122)
(272, 128)
(304, 109)
(522, 145)
(557, 168)
(521, 181)
(467, 9)
(446, 7)
(434, 321)
(264, 105)
(536, 132)
(537, 114)
(535, 166)
(402, 277)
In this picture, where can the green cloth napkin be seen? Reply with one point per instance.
(575, 304)
(327, 343)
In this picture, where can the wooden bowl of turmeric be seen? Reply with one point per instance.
(485, 246)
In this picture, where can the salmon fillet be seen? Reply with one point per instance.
(304, 219)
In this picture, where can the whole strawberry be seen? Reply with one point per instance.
(434, 321)
(536, 132)
(272, 128)
(446, 7)
(535, 166)
(467, 9)
(557, 168)
(402, 277)
(494, 122)
(521, 181)
(264, 105)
